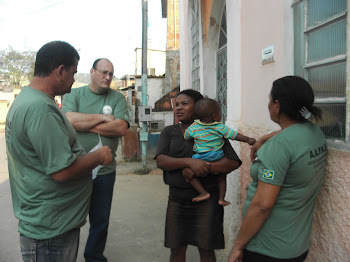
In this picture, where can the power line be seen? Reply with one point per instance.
(30, 12)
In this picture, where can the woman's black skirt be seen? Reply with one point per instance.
(199, 224)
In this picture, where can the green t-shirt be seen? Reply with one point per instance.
(40, 141)
(83, 100)
(295, 159)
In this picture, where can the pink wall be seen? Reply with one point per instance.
(331, 233)
(265, 23)
(262, 25)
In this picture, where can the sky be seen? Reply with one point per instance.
(102, 28)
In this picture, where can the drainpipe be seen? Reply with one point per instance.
(144, 132)
(130, 107)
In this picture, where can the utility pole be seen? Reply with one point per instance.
(144, 132)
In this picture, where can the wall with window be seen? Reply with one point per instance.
(309, 39)
(315, 49)
(320, 56)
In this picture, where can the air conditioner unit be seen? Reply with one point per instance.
(156, 125)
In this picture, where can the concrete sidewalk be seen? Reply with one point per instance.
(136, 231)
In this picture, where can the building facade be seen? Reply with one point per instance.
(233, 50)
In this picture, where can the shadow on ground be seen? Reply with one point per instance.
(136, 231)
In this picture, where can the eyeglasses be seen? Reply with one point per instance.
(105, 73)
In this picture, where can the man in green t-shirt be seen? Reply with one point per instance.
(50, 174)
(99, 115)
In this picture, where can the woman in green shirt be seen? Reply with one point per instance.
(287, 174)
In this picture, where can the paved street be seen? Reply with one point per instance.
(137, 219)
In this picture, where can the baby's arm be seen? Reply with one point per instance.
(234, 135)
(187, 134)
(260, 142)
(239, 137)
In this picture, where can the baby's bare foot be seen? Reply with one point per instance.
(201, 197)
(224, 203)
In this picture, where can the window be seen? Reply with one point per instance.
(195, 46)
(320, 57)
(221, 67)
(156, 125)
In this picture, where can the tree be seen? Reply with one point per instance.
(18, 66)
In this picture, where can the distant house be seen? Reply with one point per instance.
(155, 62)
(7, 96)
(163, 78)
(125, 81)
(81, 79)
(4, 82)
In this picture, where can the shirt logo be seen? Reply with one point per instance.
(107, 110)
(268, 174)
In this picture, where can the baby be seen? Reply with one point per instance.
(208, 134)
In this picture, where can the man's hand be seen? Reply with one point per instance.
(105, 155)
(83, 165)
(108, 118)
(83, 122)
(110, 128)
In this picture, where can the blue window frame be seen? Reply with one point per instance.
(320, 57)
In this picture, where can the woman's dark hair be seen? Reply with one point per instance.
(293, 93)
(195, 95)
(52, 55)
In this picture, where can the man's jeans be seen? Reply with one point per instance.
(100, 208)
(58, 249)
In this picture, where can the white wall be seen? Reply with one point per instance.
(234, 57)
(233, 212)
(154, 90)
(185, 44)
(7, 100)
(168, 117)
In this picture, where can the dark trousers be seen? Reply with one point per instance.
(100, 208)
(249, 256)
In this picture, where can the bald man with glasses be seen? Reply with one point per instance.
(99, 115)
